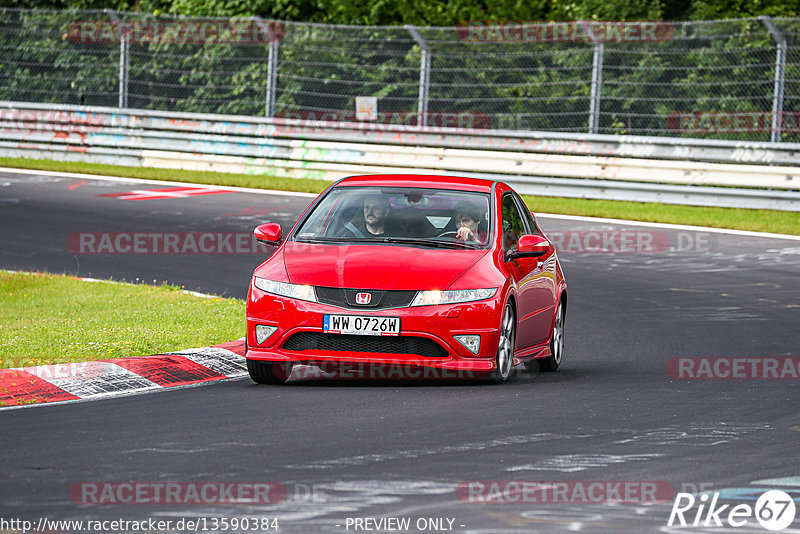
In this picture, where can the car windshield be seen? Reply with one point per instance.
(405, 216)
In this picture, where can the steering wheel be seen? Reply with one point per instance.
(445, 234)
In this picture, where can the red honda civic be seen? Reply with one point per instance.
(440, 276)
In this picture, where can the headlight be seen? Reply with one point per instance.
(283, 289)
(431, 298)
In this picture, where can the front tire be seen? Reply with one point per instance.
(505, 347)
(269, 372)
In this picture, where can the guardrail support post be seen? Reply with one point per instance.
(124, 54)
(424, 75)
(780, 77)
(272, 65)
(597, 82)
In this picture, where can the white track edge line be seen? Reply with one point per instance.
(118, 282)
(669, 226)
(157, 182)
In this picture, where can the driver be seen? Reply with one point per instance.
(376, 209)
(468, 217)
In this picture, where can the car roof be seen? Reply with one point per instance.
(459, 183)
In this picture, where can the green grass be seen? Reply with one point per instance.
(781, 222)
(50, 319)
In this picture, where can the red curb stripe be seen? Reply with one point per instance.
(168, 370)
(169, 193)
(21, 387)
(233, 346)
(32, 385)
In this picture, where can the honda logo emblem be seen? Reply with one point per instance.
(363, 298)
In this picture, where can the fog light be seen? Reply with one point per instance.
(263, 332)
(471, 343)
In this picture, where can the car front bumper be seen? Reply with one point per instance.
(427, 332)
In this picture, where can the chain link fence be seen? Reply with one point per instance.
(731, 79)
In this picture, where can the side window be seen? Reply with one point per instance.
(513, 225)
(532, 226)
(318, 222)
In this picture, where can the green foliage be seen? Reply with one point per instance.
(732, 9)
(724, 66)
(606, 10)
(437, 12)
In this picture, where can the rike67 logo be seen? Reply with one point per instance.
(774, 510)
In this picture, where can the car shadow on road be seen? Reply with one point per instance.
(309, 376)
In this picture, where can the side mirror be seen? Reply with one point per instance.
(530, 246)
(268, 232)
(533, 245)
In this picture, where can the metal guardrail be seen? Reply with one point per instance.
(541, 163)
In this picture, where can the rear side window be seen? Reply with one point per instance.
(532, 226)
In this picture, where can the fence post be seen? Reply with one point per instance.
(597, 76)
(780, 77)
(424, 75)
(272, 65)
(597, 82)
(124, 54)
(272, 77)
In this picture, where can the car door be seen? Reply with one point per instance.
(533, 277)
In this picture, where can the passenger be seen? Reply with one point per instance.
(468, 217)
(376, 209)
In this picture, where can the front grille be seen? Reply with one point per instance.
(346, 298)
(419, 346)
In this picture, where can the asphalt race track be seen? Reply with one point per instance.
(339, 451)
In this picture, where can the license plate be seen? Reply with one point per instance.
(364, 325)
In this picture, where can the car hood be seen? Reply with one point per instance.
(376, 266)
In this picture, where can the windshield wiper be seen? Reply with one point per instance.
(325, 239)
(393, 240)
(429, 243)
